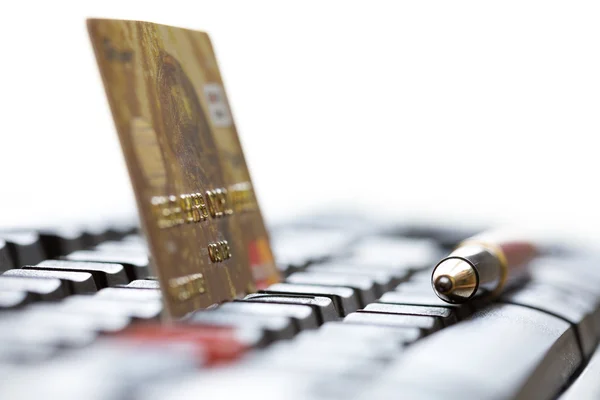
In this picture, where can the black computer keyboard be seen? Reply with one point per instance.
(355, 318)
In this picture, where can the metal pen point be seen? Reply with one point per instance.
(455, 280)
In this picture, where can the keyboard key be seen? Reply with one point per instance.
(344, 299)
(123, 247)
(59, 242)
(297, 247)
(446, 315)
(364, 287)
(400, 334)
(98, 305)
(144, 284)
(384, 280)
(106, 370)
(25, 353)
(566, 304)
(425, 299)
(275, 328)
(6, 261)
(44, 329)
(212, 345)
(322, 306)
(448, 237)
(93, 235)
(323, 345)
(304, 317)
(416, 286)
(25, 247)
(75, 282)
(47, 289)
(130, 294)
(409, 254)
(13, 299)
(136, 265)
(286, 356)
(104, 274)
(587, 385)
(62, 314)
(504, 351)
(427, 324)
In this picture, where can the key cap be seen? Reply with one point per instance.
(13, 299)
(409, 254)
(402, 335)
(104, 274)
(75, 282)
(566, 273)
(502, 352)
(136, 265)
(130, 294)
(303, 316)
(132, 309)
(275, 328)
(287, 357)
(25, 247)
(427, 324)
(344, 299)
(40, 329)
(447, 236)
(93, 235)
(587, 385)
(213, 345)
(362, 286)
(6, 261)
(300, 246)
(62, 241)
(415, 286)
(106, 370)
(135, 238)
(25, 353)
(144, 284)
(425, 299)
(445, 315)
(123, 246)
(323, 345)
(384, 280)
(46, 289)
(322, 306)
(62, 315)
(568, 305)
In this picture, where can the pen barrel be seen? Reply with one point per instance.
(487, 265)
(511, 253)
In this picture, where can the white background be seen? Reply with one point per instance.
(466, 111)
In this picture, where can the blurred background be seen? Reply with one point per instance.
(463, 111)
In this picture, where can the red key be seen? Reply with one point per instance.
(213, 345)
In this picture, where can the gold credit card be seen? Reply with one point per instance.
(206, 235)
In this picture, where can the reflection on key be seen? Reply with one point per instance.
(322, 306)
(304, 317)
(105, 274)
(445, 314)
(136, 265)
(40, 288)
(75, 282)
(427, 324)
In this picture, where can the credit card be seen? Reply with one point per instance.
(199, 213)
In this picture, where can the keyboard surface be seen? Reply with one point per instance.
(353, 318)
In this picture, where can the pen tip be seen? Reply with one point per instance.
(443, 284)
